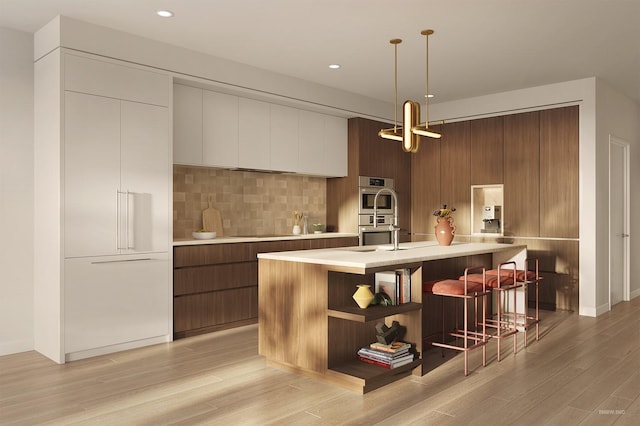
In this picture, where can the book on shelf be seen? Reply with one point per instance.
(394, 347)
(390, 364)
(395, 284)
(388, 359)
(385, 282)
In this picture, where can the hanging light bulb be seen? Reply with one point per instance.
(395, 133)
(423, 129)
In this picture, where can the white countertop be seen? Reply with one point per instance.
(229, 240)
(379, 256)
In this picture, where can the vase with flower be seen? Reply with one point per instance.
(445, 229)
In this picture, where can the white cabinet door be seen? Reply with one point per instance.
(91, 174)
(145, 174)
(187, 125)
(336, 140)
(220, 129)
(323, 144)
(253, 134)
(105, 78)
(109, 302)
(284, 138)
(311, 155)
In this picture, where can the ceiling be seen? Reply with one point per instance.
(479, 47)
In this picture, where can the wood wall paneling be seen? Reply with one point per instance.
(559, 144)
(455, 173)
(487, 150)
(522, 174)
(425, 186)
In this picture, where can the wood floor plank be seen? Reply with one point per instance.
(579, 369)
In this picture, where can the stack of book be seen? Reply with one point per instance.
(389, 356)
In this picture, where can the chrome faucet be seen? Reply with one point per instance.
(394, 228)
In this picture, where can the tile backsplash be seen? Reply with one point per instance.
(251, 203)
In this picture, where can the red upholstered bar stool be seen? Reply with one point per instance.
(530, 275)
(466, 339)
(502, 324)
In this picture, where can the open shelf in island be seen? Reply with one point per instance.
(372, 313)
(364, 377)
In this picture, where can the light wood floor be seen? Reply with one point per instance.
(582, 371)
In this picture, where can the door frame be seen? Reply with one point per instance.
(626, 292)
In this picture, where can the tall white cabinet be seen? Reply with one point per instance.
(103, 183)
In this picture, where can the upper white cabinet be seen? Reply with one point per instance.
(253, 133)
(98, 77)
(221, 130)
(323, 144)
(187, 124)
(284, 136)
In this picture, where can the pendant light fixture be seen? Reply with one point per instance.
(394, 133)
(411, 126)
(423, 129)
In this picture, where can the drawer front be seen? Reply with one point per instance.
(209, 309)
(213, 254)
(214, 278)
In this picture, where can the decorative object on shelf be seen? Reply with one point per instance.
(411, 126)
(445, 229)
(203, 234)
(382, 299)
(296, 224)
(387, 335)
(318, 228)
(363, 295)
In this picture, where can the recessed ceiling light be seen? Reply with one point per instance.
(334, 66)
(165, 13)
(430, 95)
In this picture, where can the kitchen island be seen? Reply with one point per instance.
(308, 322)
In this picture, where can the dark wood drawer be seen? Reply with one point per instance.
(214, 308)
(214, 278)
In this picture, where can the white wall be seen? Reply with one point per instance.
(617, 116)
(16, 191)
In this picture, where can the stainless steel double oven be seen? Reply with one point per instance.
(368, 187)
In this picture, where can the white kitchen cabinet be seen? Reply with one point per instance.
(116, 176)
(102, 192)
(187, 125)
(114, 301)
(91, 174)
(336, 145)
(284, 136)
(220, 129)
(322, 144)
(254, 144)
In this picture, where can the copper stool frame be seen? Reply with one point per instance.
(479, 339)
(505, 323)
(523, 319)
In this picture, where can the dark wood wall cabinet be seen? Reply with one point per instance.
(215, 286)
(534, 155)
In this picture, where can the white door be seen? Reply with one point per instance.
(145, 177)
(91, 174)
(618, 221)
